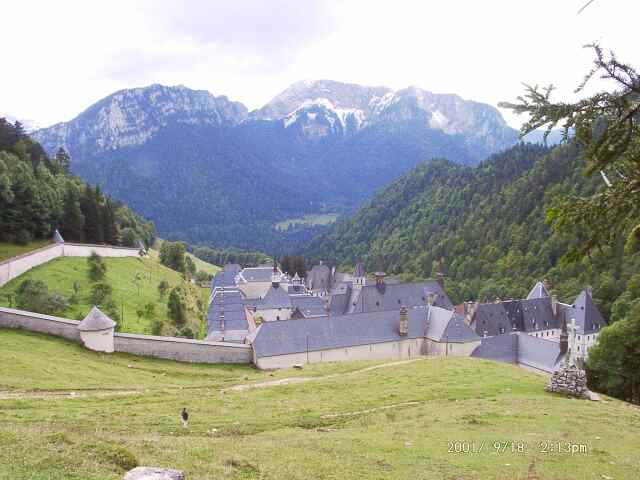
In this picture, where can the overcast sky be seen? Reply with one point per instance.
(59, 57)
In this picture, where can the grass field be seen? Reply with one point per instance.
(308, 220)
(129, 293)
(154, 252)
(8, 250)
(81, 415)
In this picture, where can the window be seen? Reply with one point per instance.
(501, 330)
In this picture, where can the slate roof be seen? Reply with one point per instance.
(319, 277)
(371, 298)
(309, 306)
(588, 317)
(538, 291)
(276, 297)
(296, 336)
(525, 315)
(284, 337)
(229, 301)
(447, 326)
(501, 348)
(95, 321)
(258, 274)
(538, 352)
(232, 267)
(521, 348)
(339, 299)
(224, 278)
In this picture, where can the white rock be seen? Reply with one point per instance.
(153, 473)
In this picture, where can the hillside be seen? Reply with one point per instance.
(38, 195)
(86, 416)
(485, 228)
(134, 282)
(195, 163)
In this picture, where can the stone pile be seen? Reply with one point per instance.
(153, 473)
(569, 380)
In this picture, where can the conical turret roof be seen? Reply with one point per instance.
(95, 321)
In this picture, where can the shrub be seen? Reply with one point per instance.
(163, 288)
(101, 293)
(97, 267)
(23, 237)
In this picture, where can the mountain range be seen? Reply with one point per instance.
(207, 170)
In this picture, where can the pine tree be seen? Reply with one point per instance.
(62, 161)
(72, 224)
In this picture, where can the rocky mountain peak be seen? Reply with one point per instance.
(132, 116)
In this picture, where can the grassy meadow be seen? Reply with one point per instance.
(8, 250)
(308, 220)
(134, 282)
(66, 413)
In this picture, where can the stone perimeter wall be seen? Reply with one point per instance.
(180, 349)
(16, 266)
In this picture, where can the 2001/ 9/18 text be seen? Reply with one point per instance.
(515, 447)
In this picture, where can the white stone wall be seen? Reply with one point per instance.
(99, 341)
(36, 322)
(400, 350)
(16, 266)
(585, 342)
(550, 334)
(442, 349)
(182, 349)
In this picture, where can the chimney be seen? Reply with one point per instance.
(589, 290)
(222, 321)
(431, 298)
(380, 281)
(554, 305)
(564, 337)
(404, 321)
(470, 310)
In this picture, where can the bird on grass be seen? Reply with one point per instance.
(184, 418)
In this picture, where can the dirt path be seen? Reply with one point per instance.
(59, 394)
(293, 380)
(83, 393)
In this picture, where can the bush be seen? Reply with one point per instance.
(176, 307)
(33, 295)
(156, 327)
(97, 267)
(23, 237)
(101, 293)
(163, 288)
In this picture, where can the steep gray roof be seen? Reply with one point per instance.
(501, 348)
(538, 291)
(588, 317)
(96, 321)
(521, 348)
(308, 305)
(224, 278)
(231, 303)
(258, 274)
(311, 334)
(319, 277)
(233, 268)
(525, 315)
(538, 352)
(276, 297)
(446, 326)
(372, 299)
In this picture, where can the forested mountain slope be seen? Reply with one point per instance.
(485, 228)
(38, 195)
(207, 171)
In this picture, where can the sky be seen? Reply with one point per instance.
(61, 57)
